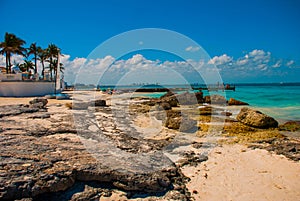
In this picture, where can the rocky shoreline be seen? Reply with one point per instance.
(50, 152)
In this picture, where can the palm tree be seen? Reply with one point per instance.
(42, 56)
(55, 66)
(33, 49)
(52, 52)
(26, 66)
(11, 45)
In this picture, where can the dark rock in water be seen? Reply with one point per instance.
(256, 119)
(38, 102)
(233, 101)
(168, 94)
(215, 99)
(182, 99)
(177, 121)
(290, 126)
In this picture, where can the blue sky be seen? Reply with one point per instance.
(229, 31)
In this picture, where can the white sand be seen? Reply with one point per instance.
(236, 173)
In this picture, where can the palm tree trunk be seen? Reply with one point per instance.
(6, 60)
(9, 64)
(35, 64)
(43, 71)
(51, 69)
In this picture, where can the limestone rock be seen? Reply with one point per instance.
(40, 159)
(79, 105)
(177, 121)
(215, 99)
(172, 100)
(256, 119)
(290, 126)
(38, 102)
(165, 106)
(206, 111)
(233, 101)
(99, 103)
(190, 98)
(12, 110)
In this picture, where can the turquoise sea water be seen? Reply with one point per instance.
(279, 101)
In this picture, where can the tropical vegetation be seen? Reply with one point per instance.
(15, 45)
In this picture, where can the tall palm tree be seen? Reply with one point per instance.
(52, 52)
(33, 49)
(11, 45)
(42, 57)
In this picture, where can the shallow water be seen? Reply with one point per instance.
(279, 101)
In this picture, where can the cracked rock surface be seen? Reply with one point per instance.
(51, 152)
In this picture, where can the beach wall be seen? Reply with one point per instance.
(26, 89)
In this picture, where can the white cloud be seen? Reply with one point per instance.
(220, 60)
(192, 49)
(242, 61)
(260, 55)
(290, 63)
(277, 64)
(140, 69)
(15, 59)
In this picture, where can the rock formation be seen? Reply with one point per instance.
(233, 101)
(48, 156)
(176, 120)
(256, 119)
(215, 99)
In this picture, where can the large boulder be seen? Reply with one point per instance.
(233, 101)
(256, 119)
(182, 99)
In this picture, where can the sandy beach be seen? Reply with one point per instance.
(232, 171)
